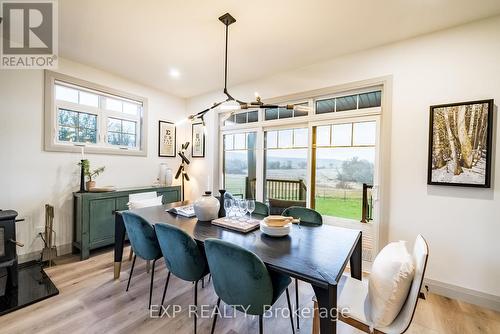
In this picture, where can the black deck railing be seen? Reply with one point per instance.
(367, 204)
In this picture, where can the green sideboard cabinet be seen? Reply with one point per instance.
(94, 215)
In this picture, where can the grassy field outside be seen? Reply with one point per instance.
(339, 207)
(330, 201)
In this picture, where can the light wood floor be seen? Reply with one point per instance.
(90, 301)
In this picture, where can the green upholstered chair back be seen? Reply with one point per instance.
(228, 195)
(261, 209)
(142, 236)
(307, 216)
(239, 277)
(183, 257)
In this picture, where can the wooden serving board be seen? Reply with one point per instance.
(236, 225)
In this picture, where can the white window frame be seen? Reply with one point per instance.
(51, 139)
(382, 146)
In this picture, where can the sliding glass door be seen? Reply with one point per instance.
(240, 164)
(285, 172)
(343, 172)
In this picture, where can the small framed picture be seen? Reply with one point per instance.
(198, 140)
(460, 145)
(166, 139)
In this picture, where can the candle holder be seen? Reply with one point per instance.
(82, 176)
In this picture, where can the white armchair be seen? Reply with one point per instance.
(353, 295)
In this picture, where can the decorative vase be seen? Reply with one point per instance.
(90, 185)
(222, 211)
(168, 177)
(82, 174)
(163, 173)
(206, 208)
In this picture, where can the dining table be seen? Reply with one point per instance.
(317, 255)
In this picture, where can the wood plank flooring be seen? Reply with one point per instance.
(90, 301)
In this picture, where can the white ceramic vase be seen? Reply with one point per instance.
(168, 177)
(165, 175)
(206, 207)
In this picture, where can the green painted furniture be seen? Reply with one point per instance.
(94, 215)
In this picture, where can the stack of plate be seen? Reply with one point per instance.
(276, 226)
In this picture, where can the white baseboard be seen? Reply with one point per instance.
(467, 295)
(35, 256)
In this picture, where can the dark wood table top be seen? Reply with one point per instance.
(317, 255)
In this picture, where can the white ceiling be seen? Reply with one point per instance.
(145, 40)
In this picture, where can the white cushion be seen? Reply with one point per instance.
(390, 280)
(353, 299)
(145, 203)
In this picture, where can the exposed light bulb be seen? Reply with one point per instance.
(301, 108)
(182, 121)
(230, 105)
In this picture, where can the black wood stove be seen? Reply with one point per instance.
(8, 252)
(24, 284)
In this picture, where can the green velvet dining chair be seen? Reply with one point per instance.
(183, 257)
(143, 242)
(242, 280)
(261, 209)
(307, 217)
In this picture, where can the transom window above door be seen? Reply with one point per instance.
(281, 113)
(349, 102)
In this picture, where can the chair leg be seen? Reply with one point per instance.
(165, 289)
(148, 266)
(315, 326)
(131, 271)
(203, 282)
(209, 277)
(261, 325)
(297, 301)
(131, 254)
(215, 316)
(290, 309)
(195, 304)
(151, 284)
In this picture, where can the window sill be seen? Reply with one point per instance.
(345, 222)
(51, 147)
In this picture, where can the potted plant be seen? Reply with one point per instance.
(90, 174)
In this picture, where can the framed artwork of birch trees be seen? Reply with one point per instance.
(460, 144)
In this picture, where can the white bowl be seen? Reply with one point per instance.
(275, 231)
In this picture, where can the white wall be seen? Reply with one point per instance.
(31, 177)
(462, 225)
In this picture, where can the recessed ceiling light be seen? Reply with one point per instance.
(174, 73)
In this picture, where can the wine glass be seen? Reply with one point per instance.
(228, 206)
(250, 207)
(242, 206)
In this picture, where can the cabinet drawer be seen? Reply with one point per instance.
(102, 220)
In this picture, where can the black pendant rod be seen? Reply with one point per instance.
(227, 20)
(225, 61)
